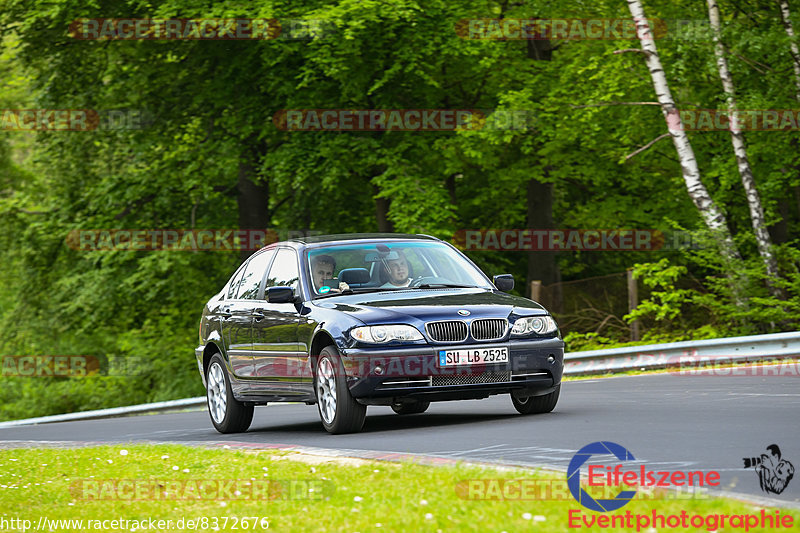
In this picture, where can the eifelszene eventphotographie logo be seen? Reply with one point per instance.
(603, 473)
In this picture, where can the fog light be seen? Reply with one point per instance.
(551, 359)
(378, 370)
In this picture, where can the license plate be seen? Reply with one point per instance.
(473, 356)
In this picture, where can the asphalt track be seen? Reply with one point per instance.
(667, 421)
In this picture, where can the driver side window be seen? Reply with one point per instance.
(284, 271)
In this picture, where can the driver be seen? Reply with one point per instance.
(322, 268)
(398, 272)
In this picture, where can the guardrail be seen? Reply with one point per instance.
(157, 407)
(646, 357)
(684, 354)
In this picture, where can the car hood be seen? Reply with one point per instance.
(403, 306)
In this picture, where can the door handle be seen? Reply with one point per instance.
(226, 312)
(258, 314)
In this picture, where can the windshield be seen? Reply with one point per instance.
(390, 266)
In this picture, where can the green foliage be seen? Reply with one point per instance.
(717, 309)
(578, 342)
(666, 301)
(212, 105)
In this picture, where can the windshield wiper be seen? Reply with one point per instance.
(445, 285)
(357, 290)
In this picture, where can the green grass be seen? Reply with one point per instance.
(358, 496)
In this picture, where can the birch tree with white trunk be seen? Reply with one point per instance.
(763, 239)
(786, 17)
(713, 217)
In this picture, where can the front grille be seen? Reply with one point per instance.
(449, 331)
(472, 379)
(486, 329)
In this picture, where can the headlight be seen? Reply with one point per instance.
(383, 334)
(540, 325)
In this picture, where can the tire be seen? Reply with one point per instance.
(227, 413)
(537, 404)
(410, 408)
(338, 411)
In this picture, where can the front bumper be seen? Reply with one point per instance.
(198, 354)
(383, 375)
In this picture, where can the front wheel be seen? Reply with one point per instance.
(340, 413)
(537, 404)
(227, 413)
(410, 408)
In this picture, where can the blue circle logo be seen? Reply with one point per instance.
(324, 289)
(574, 476)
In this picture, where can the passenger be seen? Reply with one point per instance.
(398, 272)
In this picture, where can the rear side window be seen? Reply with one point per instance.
(250, 283)
(284, 271)
(235, 282)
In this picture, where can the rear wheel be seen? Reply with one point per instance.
(537, 404)
(410, 408)
(227, 413)
(339, 412)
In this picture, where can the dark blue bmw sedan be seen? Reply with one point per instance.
(347, 321)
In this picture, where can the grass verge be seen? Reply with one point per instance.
(297, 492)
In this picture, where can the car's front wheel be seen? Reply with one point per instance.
(410, 408)
(227, 413)
(537, 404)
(340, 413)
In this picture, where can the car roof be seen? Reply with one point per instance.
(350, 237)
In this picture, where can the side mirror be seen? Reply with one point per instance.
(280, 295)
(503, 282)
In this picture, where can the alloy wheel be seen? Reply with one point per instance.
(326, 389)
(217, 393)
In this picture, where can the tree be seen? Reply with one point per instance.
(712, 215)
(786, 18)
(763, 239)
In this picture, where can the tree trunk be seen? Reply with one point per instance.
(450, 185)
(252, 200)
(382, 212)
(780, 230)
(763, 239)
(713, 217)
(787, 25)
(543, 266)
(786, 17)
